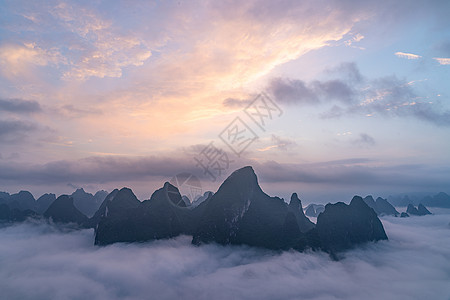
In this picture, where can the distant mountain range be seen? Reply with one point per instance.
(380, 206)
(441, 200)
(238, 213)
(87, 203)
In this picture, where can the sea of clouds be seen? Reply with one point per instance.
(39, 261)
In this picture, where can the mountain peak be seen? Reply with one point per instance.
(169, 186)
(62, 210)
(243, 176)
(246, 171)
(358, 201)
(295, 203)
(174, 194)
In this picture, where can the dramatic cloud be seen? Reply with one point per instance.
(41, 262)
(387, 96)
(19, 106)
(407, 55)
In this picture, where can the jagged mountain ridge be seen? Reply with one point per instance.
(238, 213)
(381, 206)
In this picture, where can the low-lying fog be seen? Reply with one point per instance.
(38, 261)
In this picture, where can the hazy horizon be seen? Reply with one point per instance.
(307, 196)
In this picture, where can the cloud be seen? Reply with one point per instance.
(19, 106)
(99, 169)
(236, 103)
(64, 264)
(282, 143)
(115, 171)
(288, 91)
(354, 39)
(15, 130)
(348, 72)
(407, 55)
(442, 61)
(279, 143)
(147, 63)
(104, 52)
(71, 111)
(354, 173)
(19, 59)
(387, 96)
(87, 44)
(364, 139)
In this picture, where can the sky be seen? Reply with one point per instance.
(62, 264)
(324, 98)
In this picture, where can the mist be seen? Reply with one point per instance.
(40, 261)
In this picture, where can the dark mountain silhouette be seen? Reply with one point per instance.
(4, 196)
(8, 214)
(404, 215)
(295, 205)
(186, 201)
(423, 210)
(17, 207)
(63, 210)
(313, 210)
(200, 199)
(411, 210)
(238, 213)
(128, 220)
(381, 206)
(102, 210)
(343, 226)
(385, 208)
(241, 213)
(87, 203)
(43, 202)
(23, 200)
(4, 211)
(420, 211)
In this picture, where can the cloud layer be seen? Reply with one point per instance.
(41, 262)
(350, 93)
(120, 169)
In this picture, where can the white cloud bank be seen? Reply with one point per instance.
(39, 262)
